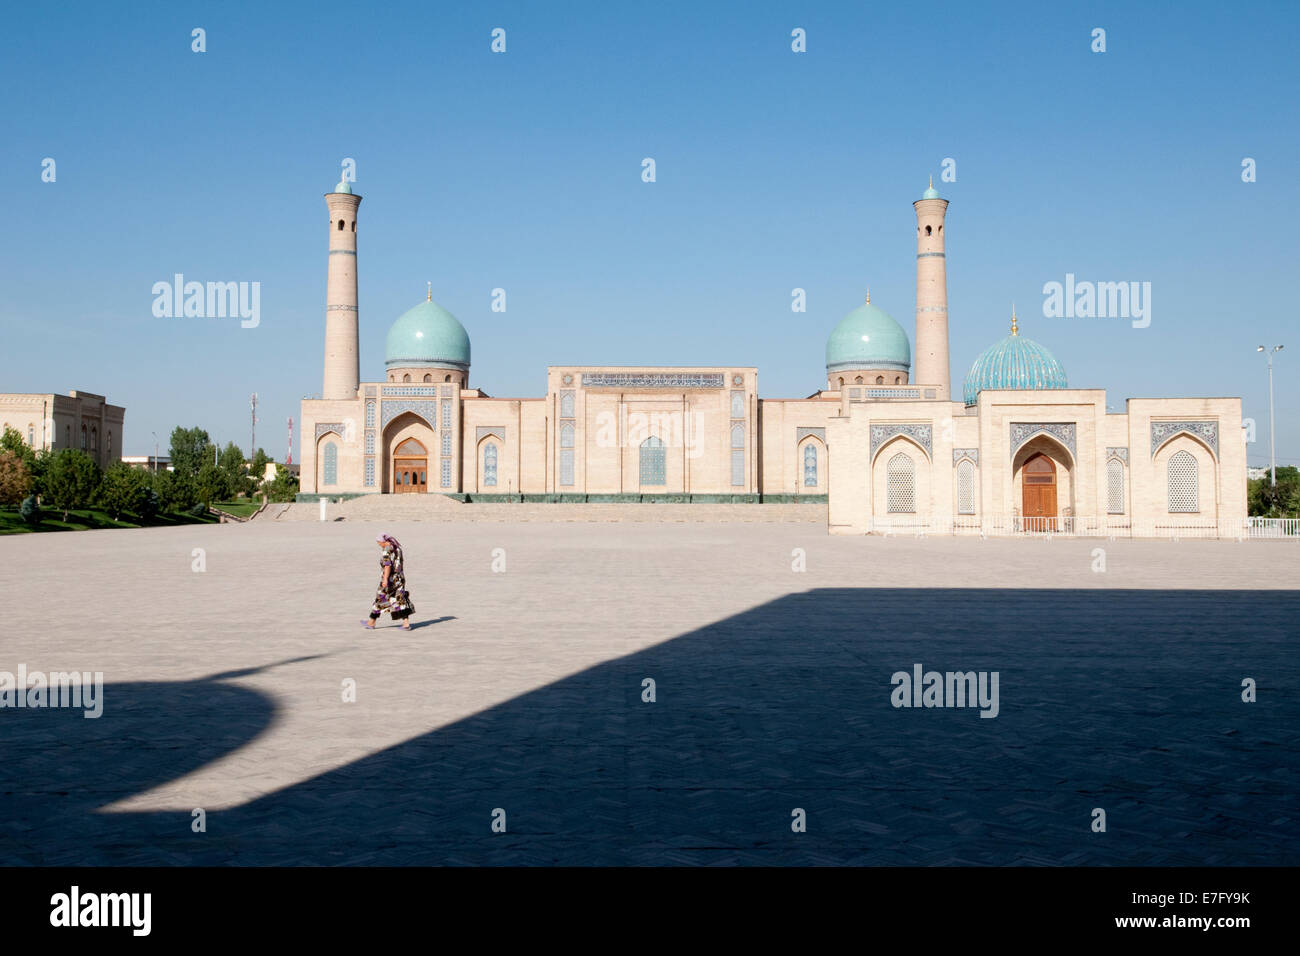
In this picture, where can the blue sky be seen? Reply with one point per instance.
(522, 170)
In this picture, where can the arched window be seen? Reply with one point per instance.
(406, 378)
(1183, 481)
(354, 226)
(880, 380)
(901, 483)
(810, 465)
(858, 380)
(566, 405)
(966, 487)
(566, 454)
(841, 379)
(83, 437)
(67, 435)
(428, 377)
(898, 380)
(654, 464)
(94, 438)
(31, 436)
(330, 471)
(446, 378)
(928, 230)
(340, 225)
(490, 464)
(1115, 487)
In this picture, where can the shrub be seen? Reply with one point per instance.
(30, 510)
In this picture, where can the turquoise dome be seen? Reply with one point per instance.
(930, 193)
(427, 335)
(343, 187)
(868, 337)
(1015, 362)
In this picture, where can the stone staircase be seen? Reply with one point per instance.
(437, 507)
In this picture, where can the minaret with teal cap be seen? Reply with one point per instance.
(342, 343)
(931, 362)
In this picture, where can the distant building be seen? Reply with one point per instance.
(148, 462)
(77, 420)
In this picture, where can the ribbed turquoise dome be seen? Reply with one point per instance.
(930, 193)
(1015, 362)
(343, 187)
(868, 337)
(427, 335)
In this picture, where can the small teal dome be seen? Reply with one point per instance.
(931, 192)
(1015, 362)
(427, 335)
(868, 337)
(343, 187)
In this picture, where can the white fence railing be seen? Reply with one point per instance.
(1109, 526)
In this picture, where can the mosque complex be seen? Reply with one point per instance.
(885, 443)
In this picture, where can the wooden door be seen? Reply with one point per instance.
(410, 468)
(1038, 477)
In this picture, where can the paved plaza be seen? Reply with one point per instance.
(519, 696)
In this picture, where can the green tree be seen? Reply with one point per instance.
(190, 450)
(71, 481)
(260, 461)
(12, 440)
(124, 490)
(1266, 500)
(15, 477)
(40, 467)
(212, 484)
(231, 461)
(283, 487)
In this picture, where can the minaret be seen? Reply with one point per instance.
(931, 364)
(342, 348)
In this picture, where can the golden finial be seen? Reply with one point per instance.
(430, 298)
(932, 180)
(1015, 329)
(868, 296)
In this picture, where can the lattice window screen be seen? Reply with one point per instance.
(370, 443)
(331, 470)
(566, 467)
(654, 464)
(446, 442)
(566, 435)
(810, 465)
(1115, 487)
(901, 484)
(490, 465)
(566, 404)
(1182, 483)
(738, 403)
(370, 472)
(446, 473)
(966, 488)
(370, 414)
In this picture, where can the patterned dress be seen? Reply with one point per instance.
(396, 600)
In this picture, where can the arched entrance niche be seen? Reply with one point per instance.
(407, 441)
(1043, 485)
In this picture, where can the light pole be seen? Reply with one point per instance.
(155, 452)
(1272, 461)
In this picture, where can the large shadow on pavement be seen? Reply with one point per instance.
(1124, 701)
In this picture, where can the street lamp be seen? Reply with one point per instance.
(1272, 462)
(155, 452)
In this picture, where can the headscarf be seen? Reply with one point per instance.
(388, 539)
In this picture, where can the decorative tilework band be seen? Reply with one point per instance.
(343, 252)
(1022, 432)
(921, 434)
(928, 255)
(1206, 431)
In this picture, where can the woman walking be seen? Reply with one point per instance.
(392, 595)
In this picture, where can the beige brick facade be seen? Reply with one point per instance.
(77, 420)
